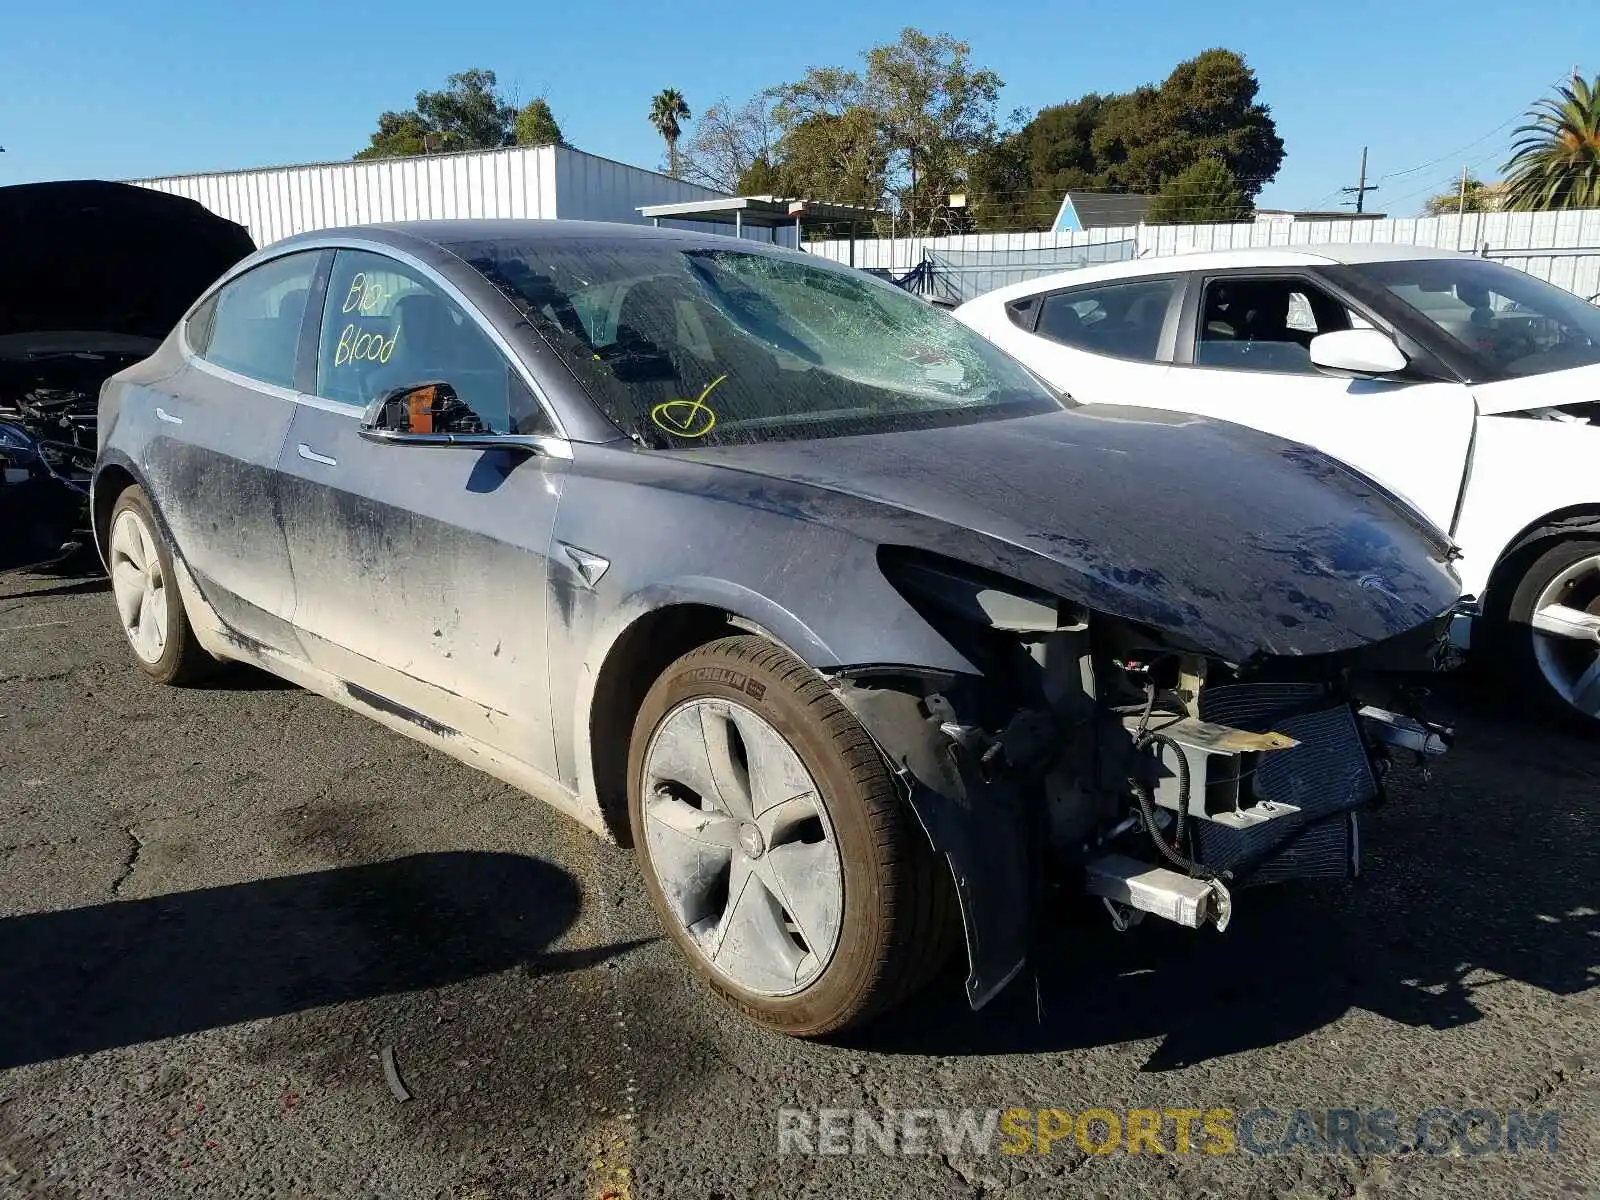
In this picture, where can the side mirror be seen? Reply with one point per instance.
(421, 411)
(1357, 354)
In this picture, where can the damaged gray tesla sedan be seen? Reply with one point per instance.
(859, 634)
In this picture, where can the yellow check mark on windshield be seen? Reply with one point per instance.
(687, 418)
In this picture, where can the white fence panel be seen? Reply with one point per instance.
(1570, 242)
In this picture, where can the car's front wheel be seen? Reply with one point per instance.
(1561, 671)
(146, 592)
(776, 847)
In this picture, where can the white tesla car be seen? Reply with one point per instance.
(1468, 388)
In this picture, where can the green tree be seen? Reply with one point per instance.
(536, 125)
(1198, 195)
(469, 113)
(1555, 160)
(834, 157)
(907, 127)
(667, 113)
(399, 134)
(760, 178)
(1476, 196)
(1206, 108)
(937, 110)
(1018, 182)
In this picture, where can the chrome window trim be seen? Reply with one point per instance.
(234, 377)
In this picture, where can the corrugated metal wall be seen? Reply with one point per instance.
(547, 181)
(590, 188)
(1563, 247)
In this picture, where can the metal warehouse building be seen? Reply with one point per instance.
(544, 181)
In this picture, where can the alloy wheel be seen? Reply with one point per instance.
(139, 586)
(738, 837)
(1571, 666)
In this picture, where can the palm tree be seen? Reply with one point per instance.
(1555, 161)
(666, 111)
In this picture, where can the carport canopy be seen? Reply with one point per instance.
(767, 212)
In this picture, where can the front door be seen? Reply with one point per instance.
(422, 570)
(1250, 363)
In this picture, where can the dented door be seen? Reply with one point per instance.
(421, 575)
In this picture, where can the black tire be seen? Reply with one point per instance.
(900, 921)
(183, 660)
(1517, 641)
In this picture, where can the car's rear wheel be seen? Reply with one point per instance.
(776, 847)
(1561, 672)
(146, 593)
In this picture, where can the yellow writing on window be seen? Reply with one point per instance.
(363, 345)
(366, 296)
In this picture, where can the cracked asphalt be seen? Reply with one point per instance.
(219, 907)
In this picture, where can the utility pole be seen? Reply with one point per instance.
(1461, 208)
(1362, 186)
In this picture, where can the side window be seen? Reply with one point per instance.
(1265, 324)
(253, 323)
(198, 331)
(386, 325)
(1122, 320)
(1021, 312)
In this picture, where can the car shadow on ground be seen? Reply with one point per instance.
(116, 974)
(1486, 875)
(74, 587)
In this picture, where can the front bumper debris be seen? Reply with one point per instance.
(1423, 738)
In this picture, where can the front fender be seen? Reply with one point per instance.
(980, 827)
(1526, 472)
(742, 604)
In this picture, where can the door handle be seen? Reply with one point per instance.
(163, 415)
(307, 452)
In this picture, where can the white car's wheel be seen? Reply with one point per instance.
(1564, 672)
(776, 848)
(146, 593)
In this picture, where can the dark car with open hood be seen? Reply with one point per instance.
(860, 635)
(93, 276)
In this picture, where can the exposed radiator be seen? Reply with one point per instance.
(1327, 777)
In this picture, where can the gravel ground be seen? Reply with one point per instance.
(220, 907)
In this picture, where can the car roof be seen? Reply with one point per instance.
(1219, 260)
(455, 232)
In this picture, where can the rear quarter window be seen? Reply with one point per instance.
(255, 326)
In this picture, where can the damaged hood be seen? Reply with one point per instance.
(1233, 541)
(92, 256)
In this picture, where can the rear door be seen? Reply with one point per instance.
(1243, 355)
(422, 570)
(218, 427)
(1103, 343)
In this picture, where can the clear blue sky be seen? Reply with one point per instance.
(112, 89)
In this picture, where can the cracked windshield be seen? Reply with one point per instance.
(687, 346)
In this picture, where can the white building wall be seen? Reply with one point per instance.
(591, 188)
(523, 182)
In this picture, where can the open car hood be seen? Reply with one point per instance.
(88, 255)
